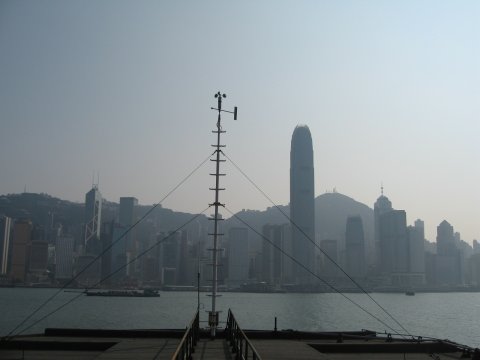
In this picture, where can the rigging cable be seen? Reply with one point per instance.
(158, 242)
(318, 247)
(311, 272)
(110, 246)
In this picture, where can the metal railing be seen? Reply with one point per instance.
(239, 342)
(187, 346)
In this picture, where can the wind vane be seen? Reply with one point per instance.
(219, 96)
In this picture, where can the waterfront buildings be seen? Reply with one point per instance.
(400, 249)
(302, 207)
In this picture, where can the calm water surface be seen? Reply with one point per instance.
(454, 316)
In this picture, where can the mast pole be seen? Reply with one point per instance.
(213, 314)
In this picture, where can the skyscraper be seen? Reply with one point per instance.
(5, 230)
(22, 238)
(394, 242)
(445, 239)
(238, 260)
(64, 257)
(127, 217)
(128, 212)
(329, 258)
(277, 267)
(93, 211)
(302, 204)
(355, 247)
(416, 247)
(382, 205)
(448, 262)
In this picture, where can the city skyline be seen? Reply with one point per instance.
(389, 92)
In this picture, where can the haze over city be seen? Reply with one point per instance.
(390, 92)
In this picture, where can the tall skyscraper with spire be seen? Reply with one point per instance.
(302, 203)
(93, 211)
(382, 206)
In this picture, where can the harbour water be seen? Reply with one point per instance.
(453, 316)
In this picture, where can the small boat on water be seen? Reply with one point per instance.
(410, 293)
(124, 293)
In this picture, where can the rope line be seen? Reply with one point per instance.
(315, 244)
(42, 305)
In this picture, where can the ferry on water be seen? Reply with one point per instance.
(124, 293)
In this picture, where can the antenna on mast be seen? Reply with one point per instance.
(213, 314)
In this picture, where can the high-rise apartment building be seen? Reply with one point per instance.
(302, 203)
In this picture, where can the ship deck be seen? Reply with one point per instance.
(83, 344)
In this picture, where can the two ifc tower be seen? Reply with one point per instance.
(302, 206)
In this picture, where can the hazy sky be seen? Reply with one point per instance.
(389, 89)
